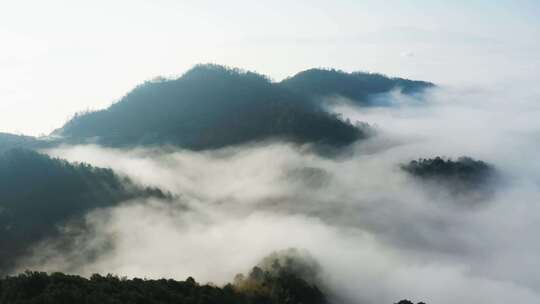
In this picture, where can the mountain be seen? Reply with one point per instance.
(39, 287)
(210, 107)
(282, 283)
(9, 141)
(463, 176)
(357, 86)
(213, 106)
(39, 193)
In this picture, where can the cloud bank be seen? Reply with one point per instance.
(378, 234)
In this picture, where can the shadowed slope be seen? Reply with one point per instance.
(9, 141)
(210, 107)
(39, 193)
(356, 86)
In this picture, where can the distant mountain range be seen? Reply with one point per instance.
(213, 106)
(10, 141)
(356, 86)
(208, 107)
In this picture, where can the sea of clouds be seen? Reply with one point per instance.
(379, 234)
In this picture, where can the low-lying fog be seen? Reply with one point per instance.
(378, 234)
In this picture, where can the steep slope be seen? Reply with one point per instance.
(39, 193)
(209, 107)
(356, 86)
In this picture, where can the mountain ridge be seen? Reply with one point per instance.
(212, 106)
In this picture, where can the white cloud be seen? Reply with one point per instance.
(378, 234)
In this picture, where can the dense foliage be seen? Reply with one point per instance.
(209, 107)
(290, 276)
(460, 176)
(38, 193)
(356, 86)
(260, 287)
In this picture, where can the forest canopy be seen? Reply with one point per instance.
(39, 193)
(282, 284)
(212, 106)
(461, 176)
(356, 86)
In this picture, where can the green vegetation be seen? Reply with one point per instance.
(356, 86)
(461, 176)
(39, 193)
(210, 107)
(280, 285)
(58, 288)
(290, 276)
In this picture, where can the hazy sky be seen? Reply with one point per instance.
(58, 57)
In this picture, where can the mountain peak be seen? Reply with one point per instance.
(357, 86)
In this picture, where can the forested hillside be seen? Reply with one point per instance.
(462, 176)
(39, 193)
(357, 86)
(281, 285)
(209, 107)
(213, 106)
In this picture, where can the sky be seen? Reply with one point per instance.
(59, 57)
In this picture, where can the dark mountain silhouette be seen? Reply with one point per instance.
(212, 106)
(209, 107)
(357, 86)
(9, 141)
(461, 177)
(39, 193)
